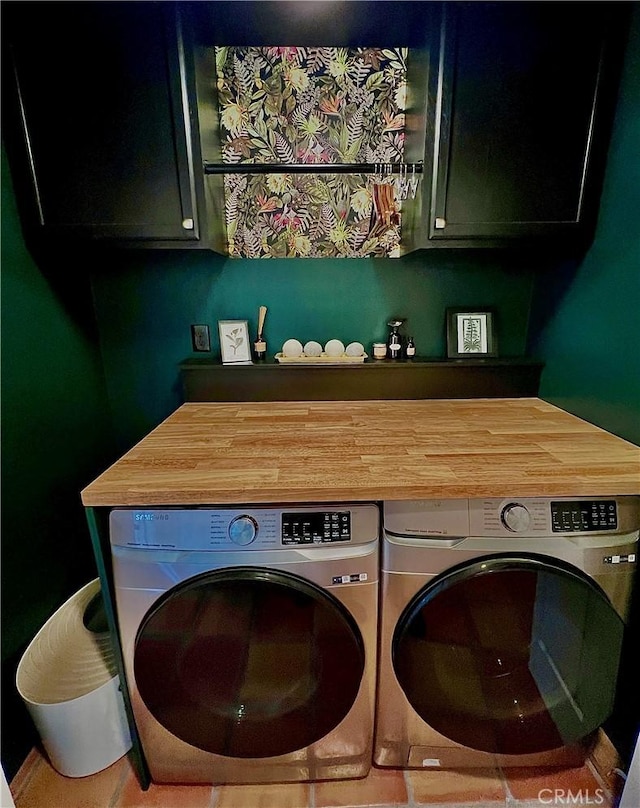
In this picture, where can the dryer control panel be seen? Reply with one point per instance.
(522, 517)
(583, 516)
(529, 516)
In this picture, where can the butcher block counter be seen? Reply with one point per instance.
(323, 451)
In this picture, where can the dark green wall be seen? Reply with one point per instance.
(146, 304)
(586, 325)
(55, 438)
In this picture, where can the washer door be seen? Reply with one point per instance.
(510, 655)
(248, 663)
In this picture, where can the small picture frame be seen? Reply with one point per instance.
(471, 333)
(234, 341)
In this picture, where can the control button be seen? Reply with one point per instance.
(515, 517)
(243, 530)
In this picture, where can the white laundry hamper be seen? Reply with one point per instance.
(68, 680)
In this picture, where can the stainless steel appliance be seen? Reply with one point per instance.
(501, 627)
(249, 639)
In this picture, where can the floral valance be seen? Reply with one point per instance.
(311, 106)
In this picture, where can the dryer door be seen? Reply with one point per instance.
(510, 654)
(248, 663)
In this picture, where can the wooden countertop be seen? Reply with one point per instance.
(323, 451)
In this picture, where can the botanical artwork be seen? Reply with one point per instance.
(472, 334)
(311, 105)
(234, 340)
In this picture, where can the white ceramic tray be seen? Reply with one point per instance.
(323, 359)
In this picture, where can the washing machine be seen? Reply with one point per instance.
(501, 627)
(249, 639)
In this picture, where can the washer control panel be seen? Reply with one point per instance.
(245, 528)
(316, 527)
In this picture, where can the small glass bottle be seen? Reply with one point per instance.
(260, 347)
(411, 348)
(394, 341)
(394, 346)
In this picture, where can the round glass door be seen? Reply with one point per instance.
(247, 662)
(510, 655)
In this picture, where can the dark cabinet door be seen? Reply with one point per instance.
(524, 103)
(103, 124)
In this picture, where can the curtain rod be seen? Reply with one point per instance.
(384, 169)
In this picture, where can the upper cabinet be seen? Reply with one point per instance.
(523, 101)
(299, 105)
(111, 110)
(100, 123)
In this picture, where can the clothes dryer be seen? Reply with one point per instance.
(249, 639)
(501, 628)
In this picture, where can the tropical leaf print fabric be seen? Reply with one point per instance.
(310, 105)
(306, 216)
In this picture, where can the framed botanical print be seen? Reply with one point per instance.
(234, 341)
(471, 333)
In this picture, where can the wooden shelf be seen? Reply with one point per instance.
(204, 379)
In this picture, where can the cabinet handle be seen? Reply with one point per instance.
(441, 224)
(187, 224)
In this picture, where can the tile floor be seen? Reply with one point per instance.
(38, 785)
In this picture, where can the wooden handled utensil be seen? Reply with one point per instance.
(262, 313)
